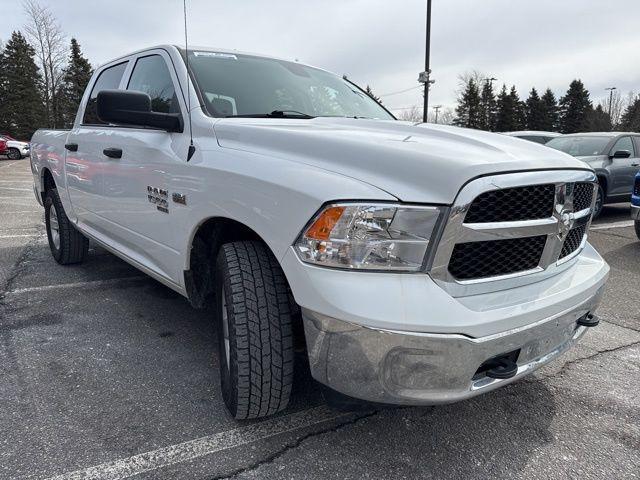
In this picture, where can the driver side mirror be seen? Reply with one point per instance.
(621, 154)
(134, 108)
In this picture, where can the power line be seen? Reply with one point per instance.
(404, 108)
(401, 91)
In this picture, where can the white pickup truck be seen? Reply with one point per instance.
(425, 264)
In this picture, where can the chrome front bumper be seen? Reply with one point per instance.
(426, 369)
(635, 212)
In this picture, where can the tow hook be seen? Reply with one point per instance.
(589, 320)
(502, 368)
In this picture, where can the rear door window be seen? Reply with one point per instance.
(151, 76)
(109, 79)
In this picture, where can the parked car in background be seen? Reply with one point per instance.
(635, 204)
(14, 149)
(615, 157)
(3, 146)
(534, 135)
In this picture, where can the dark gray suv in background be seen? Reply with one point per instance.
(615, 156)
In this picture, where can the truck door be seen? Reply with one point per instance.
(623, 170)
(84, 159)
(137, 211)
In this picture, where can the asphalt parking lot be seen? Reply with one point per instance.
(105, 373)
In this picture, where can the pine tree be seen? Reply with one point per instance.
(74, 81)
(535, 111)
(597, 120)
(549, 112)
(487, 107)
(468, 111)
(373, 95)
(574, 109)
(630, 120)
(510, 114)
(520, 109)
(20, 98)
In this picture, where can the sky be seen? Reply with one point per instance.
(541, 43)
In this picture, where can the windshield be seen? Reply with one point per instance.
(232, 85)
(587, 146)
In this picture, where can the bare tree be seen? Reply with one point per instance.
(48, 39)
(616, 106)
(414, 114)
(478, 77)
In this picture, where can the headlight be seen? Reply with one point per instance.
(369, 236)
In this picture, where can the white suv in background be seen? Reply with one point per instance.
(15, 149)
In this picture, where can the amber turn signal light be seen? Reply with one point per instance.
(321, 228)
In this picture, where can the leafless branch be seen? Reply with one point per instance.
(48, 39)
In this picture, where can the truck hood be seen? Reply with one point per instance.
(422, 163)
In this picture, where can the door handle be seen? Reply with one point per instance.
(72, 147)
(113, 152)
(635, 164)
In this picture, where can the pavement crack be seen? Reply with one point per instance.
(287, 447)
(18, 267)
(598, 353)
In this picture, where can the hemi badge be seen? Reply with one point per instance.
(179, 198)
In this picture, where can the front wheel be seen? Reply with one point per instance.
(254, 318)
(67, 244)
(637, 224)
(597, 209)
(14, 154)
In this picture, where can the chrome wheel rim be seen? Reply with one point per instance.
(225, 329)
(54, 227)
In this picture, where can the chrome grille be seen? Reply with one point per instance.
(488, 245)
(498, 257)
(573, 241)
(512, 204)
(582, 196)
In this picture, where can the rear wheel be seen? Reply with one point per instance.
(253, 317)
(67, 244)
(14, 154)
(638, 228)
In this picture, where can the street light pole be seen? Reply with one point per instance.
(427, 66)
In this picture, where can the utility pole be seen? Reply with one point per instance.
(424, 76)
(437, 109)
(611, 89)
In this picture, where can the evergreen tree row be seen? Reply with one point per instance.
(480, 108)
(22, 109)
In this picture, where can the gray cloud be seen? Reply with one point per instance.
(545, 43)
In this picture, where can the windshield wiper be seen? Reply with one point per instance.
(275, 114)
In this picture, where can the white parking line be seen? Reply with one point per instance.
(628, 223)
(184, 452)
(95, 283)
(17, 189)
(19, 236)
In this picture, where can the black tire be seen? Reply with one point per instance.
(251, 287)
(637, 225)
(14, 154)
(71, 246)
(597, 209)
